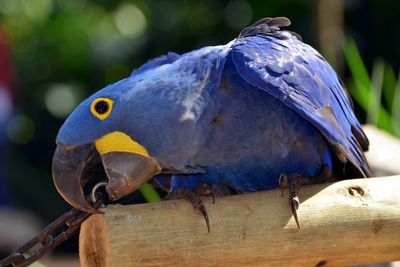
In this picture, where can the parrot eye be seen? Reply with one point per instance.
(101, 107)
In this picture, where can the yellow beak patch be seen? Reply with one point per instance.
(119, 142)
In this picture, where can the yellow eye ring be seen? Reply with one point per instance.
(101, 107)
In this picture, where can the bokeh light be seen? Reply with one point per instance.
(130, 20)
(21, 129)
(37, 9)
(61, 99)
(9, 6)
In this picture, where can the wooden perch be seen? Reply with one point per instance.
(349, 222)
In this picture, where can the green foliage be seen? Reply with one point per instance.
(377, 94)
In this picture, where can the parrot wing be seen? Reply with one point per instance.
(278, 63)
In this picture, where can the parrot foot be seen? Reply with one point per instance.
(204, 189)
(292, 182)
(194, 198)
(198, 205)
(216, 190)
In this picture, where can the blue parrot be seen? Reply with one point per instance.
(261, 112)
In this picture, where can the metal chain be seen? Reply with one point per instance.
(44, 241)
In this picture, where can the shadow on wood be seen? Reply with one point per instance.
(349, 222)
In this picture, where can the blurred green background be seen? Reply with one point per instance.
(63, 51)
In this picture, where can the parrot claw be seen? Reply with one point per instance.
(201, 190)
(198, 205)
(294, 204)
(293, 183)
(194, 198)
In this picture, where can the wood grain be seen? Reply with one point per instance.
(349, 222)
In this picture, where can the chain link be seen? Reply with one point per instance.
(35, 248)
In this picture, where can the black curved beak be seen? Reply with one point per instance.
(73, 166)
(70, 168)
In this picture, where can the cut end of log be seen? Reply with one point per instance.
(94, 243)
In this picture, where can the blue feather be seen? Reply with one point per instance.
(310, 87)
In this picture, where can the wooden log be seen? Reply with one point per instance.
(345, 223)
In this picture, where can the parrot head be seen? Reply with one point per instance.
(138, 127)
(94, 136)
